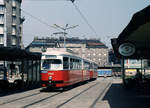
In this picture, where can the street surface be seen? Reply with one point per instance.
(102, 93)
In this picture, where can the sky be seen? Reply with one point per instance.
(108, 18)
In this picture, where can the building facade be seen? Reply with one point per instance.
(113, 60)
(92, 49)
(11, 23)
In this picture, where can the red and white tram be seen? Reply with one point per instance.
(61, 69)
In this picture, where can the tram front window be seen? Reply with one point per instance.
(51, 64)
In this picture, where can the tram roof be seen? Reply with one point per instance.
(12, 54)
(64, 53)
(137, 33)
(61, 53)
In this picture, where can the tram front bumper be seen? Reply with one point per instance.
(51, 83)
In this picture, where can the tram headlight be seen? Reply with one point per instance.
(50, 78)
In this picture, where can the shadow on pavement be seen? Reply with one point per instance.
(7, 92)
(119, 97)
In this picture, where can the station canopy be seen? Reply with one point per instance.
(134, 41)
(12, 54)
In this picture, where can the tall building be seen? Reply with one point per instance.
(11, 23)
(92, 49)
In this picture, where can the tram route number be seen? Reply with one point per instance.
(50, 73)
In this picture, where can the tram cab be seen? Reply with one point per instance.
(51, 62)
(60, 69)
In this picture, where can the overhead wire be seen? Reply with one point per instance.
(84, 18)
(38, 19)
(78, 10)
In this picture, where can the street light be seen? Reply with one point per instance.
(64, 31)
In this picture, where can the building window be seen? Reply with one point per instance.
(1, 9)
(14, 11)
(14, 3)
(1, 19)
(1, 29)
(13, 40)
(1, 2)
(1, 39)
(14, 20)
(20, 31)
(13, 30)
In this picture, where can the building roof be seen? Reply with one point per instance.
(137, 34)
(95, 45)
(12, 54)
(52, 42)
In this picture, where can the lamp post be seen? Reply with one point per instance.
(64, 31)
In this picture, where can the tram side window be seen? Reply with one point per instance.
(86, 65)
(74, 64)
(71, 63)
(79, 63)
(91, 66)
(66, 62)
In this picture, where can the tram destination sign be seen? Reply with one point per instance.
(51, 56)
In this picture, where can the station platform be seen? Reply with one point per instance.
(118, 96)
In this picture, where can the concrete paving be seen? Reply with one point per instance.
(102, 93)
(120, 97)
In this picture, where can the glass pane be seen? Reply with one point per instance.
(46, 63)
(66, 63)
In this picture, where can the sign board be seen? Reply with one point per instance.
(126, 49)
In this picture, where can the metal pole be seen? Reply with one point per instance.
(64, 38)
(141, 69)
(123, 70)
(64, 29)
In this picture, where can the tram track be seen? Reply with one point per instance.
(26, 98)
(55, 99)
(46, 103)
(62, 104)
(26, 106)
(100, 95)
(3, 103)
(75, 100)
(41, 101)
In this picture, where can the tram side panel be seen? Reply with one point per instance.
(75, 76)
(75, 70)
(95, 73)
